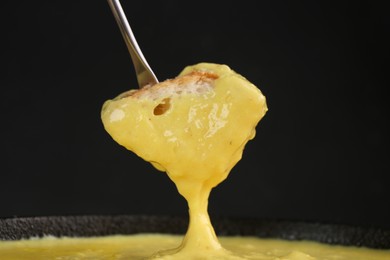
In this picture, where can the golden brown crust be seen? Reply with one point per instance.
(180, 83)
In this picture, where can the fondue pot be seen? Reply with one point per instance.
(87, 226)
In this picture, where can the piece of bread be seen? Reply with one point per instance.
(192, 83)
(196, 82)
(205, 116)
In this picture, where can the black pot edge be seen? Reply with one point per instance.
(95, 225)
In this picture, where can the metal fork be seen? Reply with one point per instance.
(145, 75)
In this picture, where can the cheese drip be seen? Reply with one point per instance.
(194, 128)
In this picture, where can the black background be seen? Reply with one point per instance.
(321, 153)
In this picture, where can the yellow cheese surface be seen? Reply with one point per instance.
(143, 246)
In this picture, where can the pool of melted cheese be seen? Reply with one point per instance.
(142, 246)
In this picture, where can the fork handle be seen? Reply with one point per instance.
(143, 71)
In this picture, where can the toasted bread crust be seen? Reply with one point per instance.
(194, 82)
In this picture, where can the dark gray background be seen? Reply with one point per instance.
(321, 153)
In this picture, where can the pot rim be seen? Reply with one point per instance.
(103, 225)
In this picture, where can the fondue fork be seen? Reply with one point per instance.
(145, 75)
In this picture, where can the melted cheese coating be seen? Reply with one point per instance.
(196, 136)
